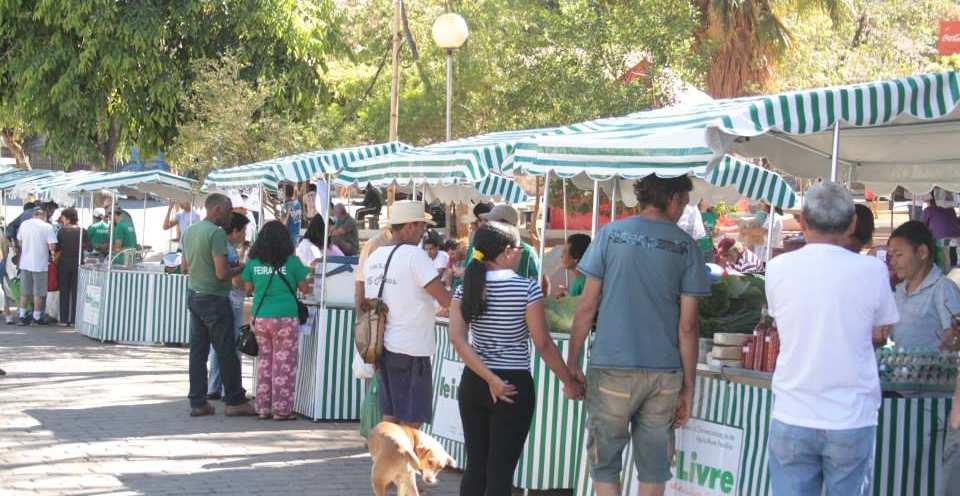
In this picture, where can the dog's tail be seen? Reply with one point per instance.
(412, 458)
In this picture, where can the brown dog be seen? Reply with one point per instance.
(399, 453)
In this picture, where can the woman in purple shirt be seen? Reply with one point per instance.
(942, 221)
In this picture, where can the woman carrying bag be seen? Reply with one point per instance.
(272, 274)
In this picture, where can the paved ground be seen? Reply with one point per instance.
(78, 417)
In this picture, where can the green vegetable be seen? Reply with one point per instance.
(560, 312)
(734, 305)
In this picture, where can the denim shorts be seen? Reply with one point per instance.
(630, 405)
(406, 387)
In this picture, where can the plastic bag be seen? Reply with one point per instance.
(361, 369)
(370, 414)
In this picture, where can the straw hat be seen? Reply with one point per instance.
(405, 212)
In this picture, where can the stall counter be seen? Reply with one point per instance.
(132, 306)
(729, 424)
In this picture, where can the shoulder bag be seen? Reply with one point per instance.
(303, 313)
(372, 321)
(247, 342)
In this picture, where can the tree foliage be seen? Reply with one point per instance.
(232, 122)
(96, 75)
(882, 40)
(526, 64)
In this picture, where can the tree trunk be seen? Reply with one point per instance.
(109, 147)
(12, 139)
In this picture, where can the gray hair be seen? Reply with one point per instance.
(828, 208)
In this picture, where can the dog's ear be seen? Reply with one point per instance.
(421, 451)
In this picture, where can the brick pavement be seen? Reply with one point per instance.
(82, 418)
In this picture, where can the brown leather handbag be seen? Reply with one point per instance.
(372, 321)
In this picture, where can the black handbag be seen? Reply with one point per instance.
(303, 313)
(247, 342)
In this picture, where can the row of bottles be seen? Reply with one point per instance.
(760, 352)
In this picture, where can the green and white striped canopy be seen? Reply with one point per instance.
(57, 187)
(158, 183)
(463, 161)
(11, 179)
(504, 188)
(296, 168)
(897, 132)
(751, 181)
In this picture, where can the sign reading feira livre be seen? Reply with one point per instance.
(446, 414)
(949, 42)
(707, 460)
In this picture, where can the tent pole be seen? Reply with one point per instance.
(143, 233)
(322, 310)
(613, 199)
(768, 249)
(546, 208)
(596, 209)
(835, 159)
(563, 184)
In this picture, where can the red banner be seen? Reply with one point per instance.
(949, 42)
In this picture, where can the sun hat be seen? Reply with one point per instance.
(503, 213)
(405, 212)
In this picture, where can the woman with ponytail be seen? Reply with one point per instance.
(502, 311)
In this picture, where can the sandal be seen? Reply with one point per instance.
(264, 416)
(285, 417)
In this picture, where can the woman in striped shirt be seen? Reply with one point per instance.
(503, 311)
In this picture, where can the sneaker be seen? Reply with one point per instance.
(214, 396)
(241, 410)
(200, 411)
(11, 320)
(25, 321)
(42, 321)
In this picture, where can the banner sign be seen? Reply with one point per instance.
(91, 313)
(949, 42)
(707, 460)
(446, 415)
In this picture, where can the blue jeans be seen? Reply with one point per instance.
(214, 385)
(211, 324)
(804, 461)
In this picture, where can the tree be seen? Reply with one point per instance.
(526, 64)
(747, 38)
(97, 75)
(888, 40)
(232, 123)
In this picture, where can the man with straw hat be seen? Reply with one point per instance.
(411, 285)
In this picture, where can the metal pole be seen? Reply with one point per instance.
(834, 161)
(768, 249)
(546, 208)
(143, 233)
(322, 311)
(596, 209)
(395, 80)
(563, 187)
(113, 213)
(613, 199)
(449, 91)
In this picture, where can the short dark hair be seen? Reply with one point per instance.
(70, 214)
(917, 234)
(288, 190)
(864, 230)
(578, 245)
(237, 222)
(311, 187)
(216, 200)
(431, 241)
(316, 231)
(482, 208)
(28, 206)
(451, 244)
(657, 191)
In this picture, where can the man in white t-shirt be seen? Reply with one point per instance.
(182, 219)
(37, 241)
(829, 305)
(411, 285)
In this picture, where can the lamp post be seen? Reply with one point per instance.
(449, 32)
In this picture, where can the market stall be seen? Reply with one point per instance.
(130, 300)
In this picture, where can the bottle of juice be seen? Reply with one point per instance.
(759, 339)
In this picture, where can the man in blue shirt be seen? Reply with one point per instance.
(292, 213)
(644, 275)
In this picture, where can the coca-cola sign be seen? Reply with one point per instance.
(949, 43)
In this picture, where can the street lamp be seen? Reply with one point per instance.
(449, 32)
